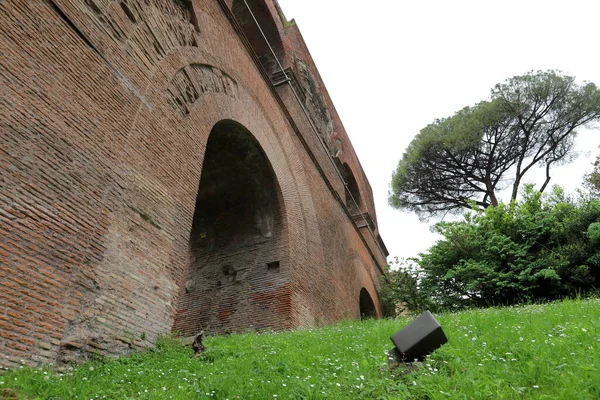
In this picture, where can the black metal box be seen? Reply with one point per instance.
(419, 338)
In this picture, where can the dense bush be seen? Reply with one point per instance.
(540, 248)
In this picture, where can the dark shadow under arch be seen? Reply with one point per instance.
(236, 242)
(366, 305)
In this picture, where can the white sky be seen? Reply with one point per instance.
(392, 66)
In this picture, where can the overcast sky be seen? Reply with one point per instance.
(391, 67)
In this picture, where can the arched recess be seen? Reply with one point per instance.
(255, 37)
(353, 198)
(237, 277)
(366, 305)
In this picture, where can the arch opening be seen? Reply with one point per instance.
(366, 305)
(353, 198)
(267, 24)
(236, 241)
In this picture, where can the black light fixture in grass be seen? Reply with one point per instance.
(418, 339)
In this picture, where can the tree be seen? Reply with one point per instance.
(592, 180)
(465, 160)
(540, 248)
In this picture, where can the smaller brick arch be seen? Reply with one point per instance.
(353, 197)
(263, 16)
(366, 305)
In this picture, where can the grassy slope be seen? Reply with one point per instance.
(539, 351)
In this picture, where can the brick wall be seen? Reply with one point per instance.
(106, 110)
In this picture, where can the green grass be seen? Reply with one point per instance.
(549, 351)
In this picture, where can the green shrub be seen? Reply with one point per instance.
(540, 248)
(594, 232)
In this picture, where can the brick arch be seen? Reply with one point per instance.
(353, 195)
(244, 15)
(363, 279)
(238, 103)
(366, 305)
(239, 256)
(153, 201)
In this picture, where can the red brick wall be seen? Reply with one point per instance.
(103, 132)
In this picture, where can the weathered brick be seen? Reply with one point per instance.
(117, 217)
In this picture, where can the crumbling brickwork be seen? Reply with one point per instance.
(160, 172)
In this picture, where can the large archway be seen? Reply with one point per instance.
(237, 277)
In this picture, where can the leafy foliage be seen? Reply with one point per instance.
(592, 180)
(543, 247)
(400, 290)
(531, 120)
